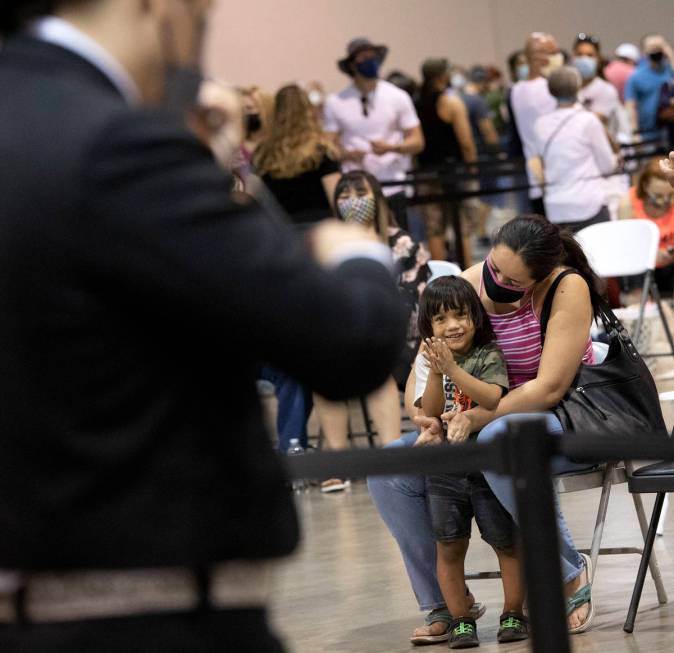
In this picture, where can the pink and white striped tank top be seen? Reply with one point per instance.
(518, 334)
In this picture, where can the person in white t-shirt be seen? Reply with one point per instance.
(596, 94)
(531, 99)
(576, 152)
(374, 121)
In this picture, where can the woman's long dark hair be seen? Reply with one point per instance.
(543, 246)
(452, 293)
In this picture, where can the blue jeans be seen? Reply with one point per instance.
(295, 403)
(401, 502)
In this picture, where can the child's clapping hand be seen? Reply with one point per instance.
(438, 354)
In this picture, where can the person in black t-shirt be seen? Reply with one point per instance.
(298, 162)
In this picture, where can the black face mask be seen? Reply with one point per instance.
(656, 57)
(182, 84)
(498, 292)
(253, 122)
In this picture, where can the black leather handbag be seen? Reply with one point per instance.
(616, 396)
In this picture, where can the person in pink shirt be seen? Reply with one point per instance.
(619, 70)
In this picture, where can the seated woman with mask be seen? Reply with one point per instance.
(359, 198)
(528, 255)
(651, 198)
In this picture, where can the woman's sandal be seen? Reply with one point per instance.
(581, 597)
(335, 485)
(441, 615)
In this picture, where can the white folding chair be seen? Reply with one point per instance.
(624, 248)
(443, 269)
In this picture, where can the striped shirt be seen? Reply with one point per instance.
(518, 334)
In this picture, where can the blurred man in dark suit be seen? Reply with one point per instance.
(141, 505)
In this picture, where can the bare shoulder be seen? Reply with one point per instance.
(473, 275)
(572, 292)
(450, 104)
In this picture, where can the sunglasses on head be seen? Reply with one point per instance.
(363, 102)
(587, 38)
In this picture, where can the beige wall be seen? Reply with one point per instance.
(271, 42)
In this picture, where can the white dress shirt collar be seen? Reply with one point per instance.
(59, 32)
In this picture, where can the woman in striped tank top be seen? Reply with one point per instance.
(528, 254)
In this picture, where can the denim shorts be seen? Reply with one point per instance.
(453, 501)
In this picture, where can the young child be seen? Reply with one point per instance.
(466, 369)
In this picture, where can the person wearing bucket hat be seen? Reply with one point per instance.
(374, 122)
(369, 58)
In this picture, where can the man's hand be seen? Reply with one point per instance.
(330, 237)
(217, 121)
(430, 431)
(381, 147)
(667, 167)
(459, 426)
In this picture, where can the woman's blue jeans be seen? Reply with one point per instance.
(401, 502)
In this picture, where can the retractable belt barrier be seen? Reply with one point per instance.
(452, 181)
(522, 452)
(504, 170)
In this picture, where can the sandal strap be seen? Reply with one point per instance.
(439, 615)
(581, 597)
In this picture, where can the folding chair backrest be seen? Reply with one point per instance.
(620, 248)
(443, 269)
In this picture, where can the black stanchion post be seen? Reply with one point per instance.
(530, 448)
(454, 206)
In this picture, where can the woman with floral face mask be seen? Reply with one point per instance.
(651, 198)
(359, 198)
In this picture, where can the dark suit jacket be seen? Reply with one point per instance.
(136, 302)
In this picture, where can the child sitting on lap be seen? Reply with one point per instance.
(466, 368)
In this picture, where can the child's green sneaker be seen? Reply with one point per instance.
(513, 627)
(463, 633)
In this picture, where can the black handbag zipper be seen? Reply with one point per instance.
(581, 390)
(599, 384)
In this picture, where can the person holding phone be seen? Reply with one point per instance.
(652, 198)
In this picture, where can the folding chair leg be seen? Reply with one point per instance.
(653, 561)
(601, 517)
(642, 305)
(645, 557)
(663, 516)
(656, 296)
(367, 420)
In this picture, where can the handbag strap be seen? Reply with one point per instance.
(611, 323)
(552, 137)
(559, 128)
(547, 302)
